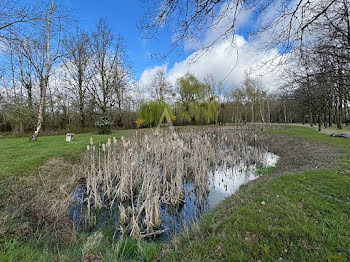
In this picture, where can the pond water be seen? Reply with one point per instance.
(222, 183)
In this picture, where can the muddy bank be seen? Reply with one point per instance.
(297, 155)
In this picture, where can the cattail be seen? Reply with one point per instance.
(126, 144)
(123, 215)
(147, 171)
(156, 212)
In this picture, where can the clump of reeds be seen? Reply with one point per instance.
(137, 176)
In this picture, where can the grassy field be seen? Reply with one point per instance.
(311, 134)
(34, 176)
(293, 217)
(329, 130)
(19, 156)
(302, 216)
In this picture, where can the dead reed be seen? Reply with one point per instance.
(140, 175)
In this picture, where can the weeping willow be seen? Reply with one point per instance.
(152, 111)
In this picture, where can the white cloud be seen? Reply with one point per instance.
(223, 62)
(228, 58)
(148, 74)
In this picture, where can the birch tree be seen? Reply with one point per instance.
(41, 48)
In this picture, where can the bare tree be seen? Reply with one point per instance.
(26, 78)
(237, 97)
(286, 24)
(76, 63)
(160, 88)
(43, 56)
(110, 71)
(14, 13)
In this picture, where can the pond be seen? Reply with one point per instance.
(222, 181)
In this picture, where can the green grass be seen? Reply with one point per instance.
(302, 217)
(103, 250)
(294, 217)
(329, 130)
(18, 155)
(265, 170)
(312, 135)
(13, 251)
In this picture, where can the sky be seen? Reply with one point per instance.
(122, 17)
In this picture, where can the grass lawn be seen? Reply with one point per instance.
(292, 217)
(21, 187)
(311, 134)
(329, 130)
(19, 156)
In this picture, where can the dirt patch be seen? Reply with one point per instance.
(298, 155)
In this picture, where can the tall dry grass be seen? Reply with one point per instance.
(140, 175)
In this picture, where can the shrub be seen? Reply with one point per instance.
(103, 125)
(139, 122)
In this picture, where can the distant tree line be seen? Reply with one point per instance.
(318, 80)
(207, 102)
(312, 38)
(55, 76)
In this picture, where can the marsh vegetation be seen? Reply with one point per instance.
(157, 181)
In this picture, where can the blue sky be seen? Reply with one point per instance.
(221, 62)
(122, 16)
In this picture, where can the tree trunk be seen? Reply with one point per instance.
(81, 102)
(319, 121)
(340, 114)
(330, 117)
(120, 120)
(261, 114)
(285, 111)
(45, 81)
(30, 95)
(310, 117)
(41, 110)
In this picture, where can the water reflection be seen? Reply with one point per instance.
(222, 182)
